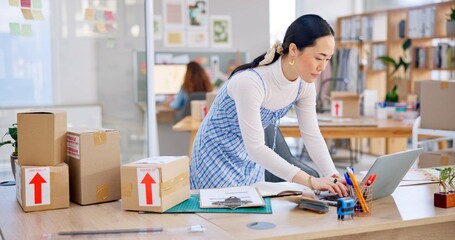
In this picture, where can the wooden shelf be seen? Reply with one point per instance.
(390, 28)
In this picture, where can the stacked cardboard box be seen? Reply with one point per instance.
(41, 174)
(155, 184)
(94, 164)
(345, 104)
(436, 107)
(439, 158)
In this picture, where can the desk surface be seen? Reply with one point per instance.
(16, 224)
(408, 213)
(381, 128)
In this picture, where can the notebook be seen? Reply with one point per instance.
(390, 170)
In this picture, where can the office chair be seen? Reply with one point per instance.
(282, 149)
(186, 110)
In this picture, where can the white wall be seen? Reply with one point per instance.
(377, 5)
(330, 10)
(250, 24)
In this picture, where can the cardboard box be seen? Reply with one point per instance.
(41, 137)
(155, 184)
(42, 187)
(94, 165)
(345, 104)
(436, 105)
(437, 158)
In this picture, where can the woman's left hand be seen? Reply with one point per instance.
(339, 178)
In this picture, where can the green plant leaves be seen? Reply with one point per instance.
(13, 132)
(392, 96)
(406, 44)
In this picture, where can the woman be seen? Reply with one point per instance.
(196, 80)
(229, 147)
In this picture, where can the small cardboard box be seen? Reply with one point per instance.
(41, 137)
(437, 158)
(345, 104)
(155, 184)
(436, 105)
(42, 187)
(94, 165)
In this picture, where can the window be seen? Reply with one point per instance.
(25, 55)
(282, 14)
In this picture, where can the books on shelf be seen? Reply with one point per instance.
(435, 57)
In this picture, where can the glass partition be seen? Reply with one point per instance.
(77, 56)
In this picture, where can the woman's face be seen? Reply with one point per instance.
(310, 62)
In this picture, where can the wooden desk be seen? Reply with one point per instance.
(16, 224)
(387, 128)
(407, 214)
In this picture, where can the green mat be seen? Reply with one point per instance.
(192, 206)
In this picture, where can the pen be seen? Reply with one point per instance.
(112, 231)
(370, 180)
(357, 190)
(348, 180)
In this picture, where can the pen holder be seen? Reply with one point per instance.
(367, 192)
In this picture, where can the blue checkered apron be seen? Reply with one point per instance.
(219, 156)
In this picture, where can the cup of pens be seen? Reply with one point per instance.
(367, 192)
(361, 193)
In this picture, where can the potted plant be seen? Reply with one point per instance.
(445, 198)
(12, 132)
(401, 63)
(450, 26)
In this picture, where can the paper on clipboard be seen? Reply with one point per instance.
(209, 197)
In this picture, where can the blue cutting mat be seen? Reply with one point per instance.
(192, 206)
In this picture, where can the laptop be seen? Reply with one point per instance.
(390, 171)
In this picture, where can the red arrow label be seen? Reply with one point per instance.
(148, 181)
(337, 106)
(38, 180)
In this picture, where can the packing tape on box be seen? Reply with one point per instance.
(174, 184)
(99, 137)
(102, 192)
(444, 160)
(444, 85)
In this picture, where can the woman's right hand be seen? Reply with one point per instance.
(329, 183)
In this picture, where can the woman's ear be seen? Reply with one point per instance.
(293, 51)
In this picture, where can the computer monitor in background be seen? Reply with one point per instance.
(168, 78)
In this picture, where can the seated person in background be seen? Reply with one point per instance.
(196, 80)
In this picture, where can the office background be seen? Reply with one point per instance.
(69, 62)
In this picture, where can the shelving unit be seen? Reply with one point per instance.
(426, 27)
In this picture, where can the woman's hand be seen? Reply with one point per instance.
(333, 185)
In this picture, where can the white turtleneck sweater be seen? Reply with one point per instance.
(247, 90)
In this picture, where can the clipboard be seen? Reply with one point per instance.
(232, 197)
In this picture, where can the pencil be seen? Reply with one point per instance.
(357, 191)
(113, 231)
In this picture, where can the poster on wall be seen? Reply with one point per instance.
(198, 14)
(198, 38)
(174, 38)
(221, 31)
(157, 27)
(173, 13)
